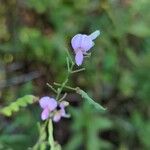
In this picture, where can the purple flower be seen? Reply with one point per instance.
(48, 105)
(81, 44)
(53, 109)
(60, 112)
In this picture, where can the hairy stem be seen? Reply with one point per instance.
(41, 144)
(65, 81)
(50, 135)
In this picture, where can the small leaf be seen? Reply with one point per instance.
(140, 29)
(15, 106)
(6, 111)
(90, 100)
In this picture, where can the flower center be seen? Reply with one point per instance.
(80, 49)
(58, 107)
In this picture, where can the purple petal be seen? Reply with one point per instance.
(86, 43)
(47, 102)
(57, 117)
(44, 101)
(76, 42)
(52, 104)
(62, 112)
(79, 58)
(45, 114)
(81, 42)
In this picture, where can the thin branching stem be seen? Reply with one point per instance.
(78, 70)
(63, 97)
(41, 143)
(67, 87)
(53, 89)
(60, 89)
(50, 133)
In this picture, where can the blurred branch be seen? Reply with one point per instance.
(19, 79)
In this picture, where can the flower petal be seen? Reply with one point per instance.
(94, 35)
(63, 104)
(45, 114)
(76, 42)
(57, 117)
(52, 104)
(44, 101)
(47, 102)
(86, 43)
(79, 58)
(63, 113)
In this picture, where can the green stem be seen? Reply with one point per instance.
(64, 96)
(65, 82)
(79, 70)
(67, 87)
(53, 89)
(61, 88)
(40, 144)
(50, 135)
(68, 66)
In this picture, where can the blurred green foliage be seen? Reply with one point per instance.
(15, 106)
(34, 35)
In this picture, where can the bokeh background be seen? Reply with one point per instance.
(33, 37)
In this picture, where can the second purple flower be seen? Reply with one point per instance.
(53, 109)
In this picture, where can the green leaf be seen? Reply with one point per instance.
(89, 100)
(140, 29)
(15, 106)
